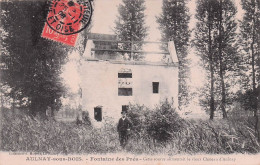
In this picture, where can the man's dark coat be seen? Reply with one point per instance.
(123, 125)
(122, 129)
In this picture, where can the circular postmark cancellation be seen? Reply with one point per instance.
(69, 16)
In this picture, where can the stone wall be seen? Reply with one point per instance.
(100, 83)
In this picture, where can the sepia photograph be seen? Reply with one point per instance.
(130, 82)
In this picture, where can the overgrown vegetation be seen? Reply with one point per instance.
(159, 130)
(23, 133)
(159, 124)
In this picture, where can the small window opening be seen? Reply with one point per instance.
(125, 92)
(124, 75)
(98, 113)
(155, 87)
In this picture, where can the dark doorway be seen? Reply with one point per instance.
(98, 113)
(155, 87)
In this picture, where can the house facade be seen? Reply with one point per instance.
(108, 86)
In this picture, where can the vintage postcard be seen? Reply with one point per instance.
(87, 82)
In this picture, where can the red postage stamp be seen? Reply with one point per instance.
(66, 18)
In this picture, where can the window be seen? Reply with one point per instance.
(124, 75)
(155, 87)
(125, 107)
(125, 91)
(125, 82)
(98, 113)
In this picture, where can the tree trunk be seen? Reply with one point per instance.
(2, 99)
(13, 104)
(212, 100)
(221, 71)
(253, 71)
(254, 78)
(223, 92)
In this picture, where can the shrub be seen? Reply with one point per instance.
(159, 124)
(164, 122)
(138, 116)
(247, 99)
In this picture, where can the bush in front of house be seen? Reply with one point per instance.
(138, 115)
(159, 124)
(164, 122)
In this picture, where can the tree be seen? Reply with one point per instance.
(130, 23)
(31, 63)
(204, 42)
(173, 23)
(226, 39)
(216, 29)
(250, 39)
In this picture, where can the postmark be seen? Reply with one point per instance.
(66, 18)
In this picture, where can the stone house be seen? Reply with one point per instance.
(109, 85)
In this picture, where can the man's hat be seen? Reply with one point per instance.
(124, 111)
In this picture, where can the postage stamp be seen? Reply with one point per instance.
(66, 18)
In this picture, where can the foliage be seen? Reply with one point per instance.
(130, 24)
(22, 133)
(164, 123)
(211, 137)
(250, 43)
(138, 116)
(32, 64)
(227, 48)
(247, 100)
(215, 41)
(173, 23)
(206, 13)
(159, 124)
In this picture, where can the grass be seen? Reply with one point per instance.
(22, 133)
(210, 137)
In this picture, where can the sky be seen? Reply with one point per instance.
(104, 15)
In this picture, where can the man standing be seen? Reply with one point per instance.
(123, 128)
